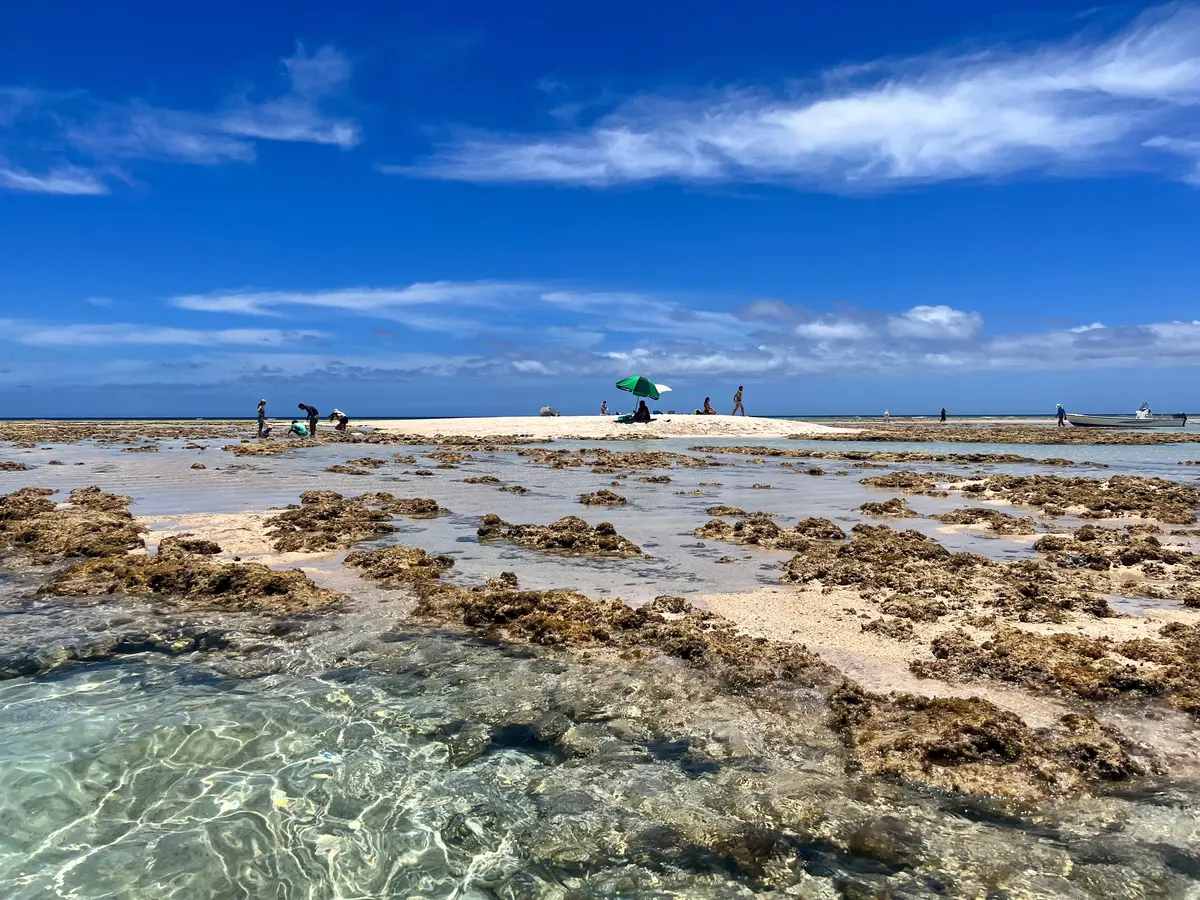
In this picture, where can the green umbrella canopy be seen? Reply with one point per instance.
(639, 386)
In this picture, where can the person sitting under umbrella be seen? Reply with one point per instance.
(643, 412)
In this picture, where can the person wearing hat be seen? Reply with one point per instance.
(1061, 415)
(262, 417)
(341, 418)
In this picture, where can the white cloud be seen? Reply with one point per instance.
(360, 300)
(87, 335)
(64, 179)
(831, 329)
(1074, 107)
(936, 323)
(107, 132)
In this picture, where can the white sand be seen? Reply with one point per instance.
(687, 426)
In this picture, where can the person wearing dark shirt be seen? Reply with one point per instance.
(313, 417)
(262, 417)
(643, 412)
(943, 414)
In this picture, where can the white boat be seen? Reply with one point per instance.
(1143, 418)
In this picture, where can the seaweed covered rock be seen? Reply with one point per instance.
(1098, 498)
(367, 462)
(176, 544)
(8, 465)
(726, 511)
(481, 479)
(603, 497)
(759, 530)
(896, 508)
(269, 448)
(398, 565)
(569, 534)
(92, 523)
(343, 469)
(190, 580)
(881, 558)
(35, 662)
(325, 520)
(994, 519)
(909, 482)
(819, 528)
(668, 625)
(972, 746)
(1073, 665)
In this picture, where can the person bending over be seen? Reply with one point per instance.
(313, 417)
(298, 429)
(341, 420)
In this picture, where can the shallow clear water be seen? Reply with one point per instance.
(377, 760)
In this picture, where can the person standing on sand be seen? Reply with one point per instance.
(604, 407)
(313, 417)
(943, 414)
(887, 415)
(737, 402)
(1061, 415)
(262, 417)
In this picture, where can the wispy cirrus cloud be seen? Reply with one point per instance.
(35, 334)
(92, 137)
(1126, 101)
(364, 300)
(62, 179)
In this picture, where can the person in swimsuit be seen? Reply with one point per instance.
(604, 407)
(262, 417)
(313, 417)
(737, 402)
(708, 407)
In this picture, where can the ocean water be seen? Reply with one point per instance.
(378, 759)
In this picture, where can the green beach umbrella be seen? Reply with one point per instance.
(639, 386)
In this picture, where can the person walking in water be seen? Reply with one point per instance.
(737, 402)
(262, 417)
(313, 417)
(943, 414)
(1061, 415)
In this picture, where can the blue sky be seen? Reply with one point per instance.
(471, 207)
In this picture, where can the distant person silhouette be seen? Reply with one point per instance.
(943, 414)
(737, 402)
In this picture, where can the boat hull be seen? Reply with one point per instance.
(1081, 421)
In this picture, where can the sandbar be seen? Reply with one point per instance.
(602, 427)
